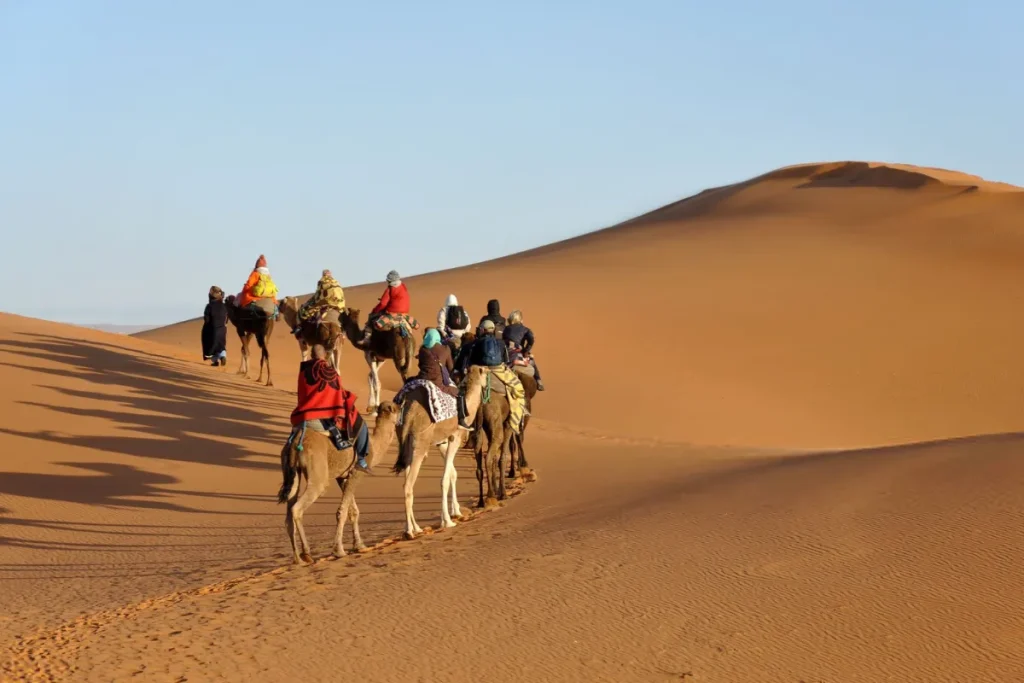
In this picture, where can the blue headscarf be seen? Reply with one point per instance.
(431, 338)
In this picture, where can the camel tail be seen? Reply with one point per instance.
(290, 471)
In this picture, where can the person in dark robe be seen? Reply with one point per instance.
(215, 328)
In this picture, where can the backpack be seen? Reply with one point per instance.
(490, 352)
(456, 318)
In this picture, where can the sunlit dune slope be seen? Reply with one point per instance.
(817, 306)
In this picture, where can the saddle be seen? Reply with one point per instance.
(329, 428)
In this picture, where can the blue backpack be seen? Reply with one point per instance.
(489, 351)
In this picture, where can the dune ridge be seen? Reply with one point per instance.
(780, 442)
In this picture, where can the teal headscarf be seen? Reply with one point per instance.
(431, 338)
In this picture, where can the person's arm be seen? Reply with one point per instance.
(527, 340)
(504, 353)
(254, 277)
(207, 316)
(383, 302)
(441, 315)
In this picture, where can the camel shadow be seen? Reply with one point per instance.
(114, 483)
(167, 414)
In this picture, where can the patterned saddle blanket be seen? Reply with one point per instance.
(441, 405)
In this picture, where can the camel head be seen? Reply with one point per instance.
(387, 415)
(476, 376)
(289, 309)
(353, 314)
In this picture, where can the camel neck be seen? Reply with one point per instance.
(383, 433)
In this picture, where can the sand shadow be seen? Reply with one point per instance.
(169, 414)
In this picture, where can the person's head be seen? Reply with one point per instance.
(319, 352)
(515, 317)
(326, 274)
(493, 307)
(451, 300)
(394, 279)
(216, 293)
(432, 338)
(261, 262)
(487, 327)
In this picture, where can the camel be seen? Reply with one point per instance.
(493, 434)
(327, 333)
(248, 326)
(383, 345)
(417, 433)
(517, 456)
(319, 462)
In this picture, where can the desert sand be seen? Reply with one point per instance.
(780, 442)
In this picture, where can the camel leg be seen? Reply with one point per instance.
(266, 357)
(374, 381)
(243, 368)
(448, 450)
(337, 355)
(453, 450)
(411, 474)
(314, 488)
(493, 464)
(480, 474)
(502, 495)
(342, 515)
(353, 515)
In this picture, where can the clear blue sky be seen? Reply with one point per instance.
(149, 150)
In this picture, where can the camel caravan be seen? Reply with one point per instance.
(473, 389)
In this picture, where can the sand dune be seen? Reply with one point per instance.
(775, 313)
(779, 443)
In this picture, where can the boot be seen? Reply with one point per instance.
(460, 404)
(362, 465)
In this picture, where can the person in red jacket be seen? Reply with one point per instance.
(393, 302)
(324, 405)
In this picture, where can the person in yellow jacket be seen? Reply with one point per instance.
(329, 294)
(259, 285)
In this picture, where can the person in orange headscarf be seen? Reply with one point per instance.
(259, 285)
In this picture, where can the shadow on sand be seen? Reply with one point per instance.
(163, 413)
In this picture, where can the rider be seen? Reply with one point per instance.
(259, 285)
(486, 350)
(329, 294)
(322, 400)
(520, 337)
(452, 319)
(394, 301)
(492, 353)
(495, 316)
(436, 365)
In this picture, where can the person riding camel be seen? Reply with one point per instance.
(436, 366)
(452, 320)
(392, 306)
(490, 352)
(258, 289)
(325, 406)
(495, 316)
(328, 295)
(520, 338)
